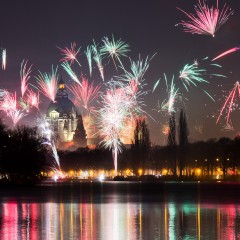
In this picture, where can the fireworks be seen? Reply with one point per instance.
(173, 93)
(227, 52)
(48, 84)
(66, 66)
(191, 74)
(229, 104)
(207, 20)
(98, 59)
(4, 58)
(114, 49)
(24, 75)
(85, 94)
(16, 116)
(138, 69)
(117, 109)
(33, 99)
(88, 54)
(70, 54)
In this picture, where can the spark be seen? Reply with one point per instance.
(114, 49)
(227, 52)
(207, 20)
(66, 66)
(85, 94)
(98, 59)
(48, 84)
(88, 54)
(4, 59)
(229, 102)
(70, 54)
(24, 75)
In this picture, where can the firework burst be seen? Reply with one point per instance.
(48, 84)
(66, 66)
(70, 54)
(114, 49)
(85, 94)
(207, 20)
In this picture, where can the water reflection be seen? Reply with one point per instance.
(117, 220)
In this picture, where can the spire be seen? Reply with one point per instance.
(61, 89)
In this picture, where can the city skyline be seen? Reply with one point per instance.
(39, 29)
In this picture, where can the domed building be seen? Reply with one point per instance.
(64, 119)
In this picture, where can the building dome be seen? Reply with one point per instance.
(62, 106)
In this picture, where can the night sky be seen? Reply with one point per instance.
(32, 30)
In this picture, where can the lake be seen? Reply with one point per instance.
(121, 210)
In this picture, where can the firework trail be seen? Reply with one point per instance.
(88, 54)
(98, 59)
(4, 59)
(48, 84)
(45, 130)
(85, 94)
(66, 66)
(207, 20)
(114, 49)
(24, 75)
(70, 54)
(227, 52)
(229, 102)
(173, 93)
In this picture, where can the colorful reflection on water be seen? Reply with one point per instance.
(117, 220)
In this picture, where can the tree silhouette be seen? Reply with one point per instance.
(141, 145)
(172, 143)
(24, 157)
(182, 140)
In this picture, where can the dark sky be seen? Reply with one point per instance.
(33, 29)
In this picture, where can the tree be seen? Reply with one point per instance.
(141, 145)
(172, 143)
(182, 140)
(25, 155)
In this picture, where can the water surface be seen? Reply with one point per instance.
(119, 211)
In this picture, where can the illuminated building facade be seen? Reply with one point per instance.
(64, 120)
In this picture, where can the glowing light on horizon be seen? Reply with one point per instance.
(206, 20)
